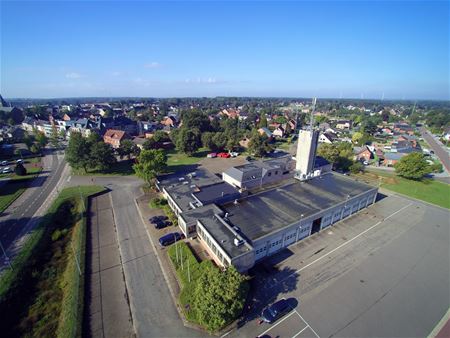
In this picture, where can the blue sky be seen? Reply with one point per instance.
(159, 49)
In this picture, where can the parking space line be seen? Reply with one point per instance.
(340, 246)
(282, 320)
(307, 324)
(300, 331)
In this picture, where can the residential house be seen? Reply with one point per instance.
(390, 159)
(265, 131)
(114, 137)
(403, 128)
(279, 132)
(139, 142)
(327, 137)
(364, 154)
(169, 121)
(344, 124)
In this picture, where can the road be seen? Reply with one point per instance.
(438, 149)
(153, 311)
(15, 221)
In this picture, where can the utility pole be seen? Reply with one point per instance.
(76, 258)
(189, 273)
(6, 256)
(176, 247)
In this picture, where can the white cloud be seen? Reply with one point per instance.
(153, 65)
(73, 75)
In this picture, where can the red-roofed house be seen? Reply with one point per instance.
(114, 137)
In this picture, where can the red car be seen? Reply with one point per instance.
(224, 155)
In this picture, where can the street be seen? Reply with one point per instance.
(439, 150)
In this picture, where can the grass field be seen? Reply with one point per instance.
(12, 189)
(42, 296)
(427, 190)
(177, 161)
(122, 168)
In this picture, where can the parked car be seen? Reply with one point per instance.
(4, 162)
(162, 224)
(275, 311)
(155, 219)
(211, 155)
(6, 170)
(170, 238)
(19, 161)
(233, 154)
(224, 155)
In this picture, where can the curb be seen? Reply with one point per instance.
(166, 277)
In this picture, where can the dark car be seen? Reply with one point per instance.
(170, 238)
(162, 224)
(275, 311)
(156, 219)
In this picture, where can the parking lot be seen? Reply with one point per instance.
(383, 272)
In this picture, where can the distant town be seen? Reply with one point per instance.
(231, 199)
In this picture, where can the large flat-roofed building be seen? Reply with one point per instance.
(273, 208)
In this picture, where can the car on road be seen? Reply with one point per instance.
(224, 155)
(19, 161)
(6, 170)
(211, 155)
(275, 311)
(4, 163)
(156, 219)
(170, 238)
(234, 154)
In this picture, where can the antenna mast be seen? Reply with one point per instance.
(311, 120)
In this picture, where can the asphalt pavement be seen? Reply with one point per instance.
(21, 215)
(438, 149)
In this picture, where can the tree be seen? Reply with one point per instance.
(356, 167)
(28, 140)
(160, 136)
(101, 156)
(219, 140)
(77, 152)
(413, 166)
(54, 141)
(262, 121)
(35, 148)
(188, 140)
(149, 164)
(20, 170)
(195, 119)
(127, 148)
(42, 140)
(208, 140)
(328, 152)
(356, 137)
(258, 144)
(219, 296)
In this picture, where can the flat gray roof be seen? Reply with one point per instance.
(274, 209)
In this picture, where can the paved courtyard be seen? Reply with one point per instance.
(384, 272)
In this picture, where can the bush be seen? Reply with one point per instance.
(20, 170)
(158, 203)
(356, 167)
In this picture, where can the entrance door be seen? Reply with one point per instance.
(316, 225)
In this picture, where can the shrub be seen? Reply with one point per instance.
(20, 170)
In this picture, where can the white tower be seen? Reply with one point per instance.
(306, 149)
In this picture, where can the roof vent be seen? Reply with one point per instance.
(238, 242)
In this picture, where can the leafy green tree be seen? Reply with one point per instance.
(259, 144)
(101, 156)
(219, 296)
(53, 139)
(28, 140)
(42, 140)
(262, 121)
(413, 166)
(150, 144)
(160, 136)
(77, 152)
(328, 152)
(149, 164)
(35, 148)
(127, 148)
(208, 140)
(356, 167)
(188, 140)
(20, 170)
(356, 137)
(195, 119)
(220, 141)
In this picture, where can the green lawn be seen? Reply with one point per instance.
(177, 160)
(122, 168)
(43, 294)
(427, 190)
(11, 190)
(196, 269)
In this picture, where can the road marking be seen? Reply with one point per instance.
(307, 323)
(340, 246)
(300, 331)
(226, 334)
(279, 322)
